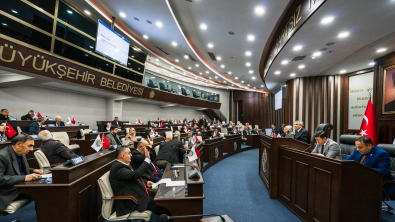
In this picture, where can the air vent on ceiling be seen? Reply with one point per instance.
(191, 58)
(189, 1)
(149, 21)
(299, 58)
(330, 43)
(212, 56)
(231, 33)
(323, 49)
(162, 50)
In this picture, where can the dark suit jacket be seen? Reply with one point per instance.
(4, 117)
(125, 182)
(254, 132)
(34, 127)
(171, 151)
(26, 117)
(303, 135)
(116, 124)
(56, 152)
(193, 130)
(390, 106)
(10, 176)
(190, 144)
(60, 124)
(201, 121)
(246, 132)
(136, 161)
(379, 160)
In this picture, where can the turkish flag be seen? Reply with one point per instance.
(369, 124)
(161, 124)
(105, 142)
(73, 121)
(197, 152)
(187, 129)
(9, 131)
(38, 114)
(157, 118)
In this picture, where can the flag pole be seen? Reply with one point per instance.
(370, 94)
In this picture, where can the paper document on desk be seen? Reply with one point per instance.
(125, 142)
(44, 176)
(178, 166)
(161, 181)
(175, 183)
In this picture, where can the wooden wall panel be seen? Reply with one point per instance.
(316, 95)
(335, 101)
(297, 99)
(329, 98)
(304, 99)
(310, 126)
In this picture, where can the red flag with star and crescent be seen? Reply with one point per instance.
(369, 124)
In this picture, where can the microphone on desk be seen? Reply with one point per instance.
(164, 217)
(81, 123)
(310, 147)
(49, 118)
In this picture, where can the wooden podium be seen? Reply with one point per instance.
(212, 149)
(318, 188)
(232, 143)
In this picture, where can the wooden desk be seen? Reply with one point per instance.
(74, 194)
(23, 123)
(318, 188)
(206, 134)
(212, 149)
(232, 143)
(176, 202)
(253, 140)
(72, 131)
(102, 125)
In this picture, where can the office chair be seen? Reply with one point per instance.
(347, 144)
(390, 149)
(42, 161)
(14, 206)
(194, 94)
(162, 87)
(326, 127)
(151, 84)
(184, 92)
(170, 89)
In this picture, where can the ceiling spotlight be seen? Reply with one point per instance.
(259, 10)
(186, 56)
(230, 73)
(210, 45)
(248, 53)
(381, 50)
(174, 43)
(242, 81)
(210, 77)
(200, 73)
(17, 12)
(251, 38)
(219, 58)
(372, 63)
(87, 12)
(157, 59)
(327, 20)
(123, 15)
(189, 67)
(216, 77)
(251, 71)
(342, 71)
(5, 24)
(203, 26)
(248, 64)
(253, 77)
(236, 77)
(159, 24)
(284, 62)
(297, 48)
(207, 72)
(222, 66)
(313, 57)
(261, 85)
(197, 65)
(248, 84)
(177, 60)
(68, 11)
(301, 66)
(293, 74)
(343, 35)
(317, 54)
(145, 36)
(277, 72)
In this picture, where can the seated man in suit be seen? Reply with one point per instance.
(230, 125)
(4, 114)
(301, 133)
(151, 125)
(193, 121)
(254, 131)
(185, 121)
(161, 124)
(326, 147)
(35, 127)
(138, 157)
(374, 157)
(202, 129)
(288, 132)
(55, 151)
(131, 136)
(126, 181)
(214, 122)
(58, 121)
(246, 131)
(28, 116)
(203, 121)
(274, 129)
(170, 153)
(194, 129)
(281, 130)
(116, 122)
(248, 126)
(15, 169)
(190, 139)
(168, 138)
(113, 137)
(170, 121)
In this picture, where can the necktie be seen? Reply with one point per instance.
(156, 173)
(144, 186)
(362, 160)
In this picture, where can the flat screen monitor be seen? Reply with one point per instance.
(278, 100)
(111, 44)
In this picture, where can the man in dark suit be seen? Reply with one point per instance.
(58, 121)
(194, 128)
(55, 151)
(15, 169)
(214, 121)
(301, 133)
(138, 157)
(151, 125)
(374, 157)
(168, 138)
(193, 121)
(254, 131)
(28, 116)
(170, 153)
(116, 122)
(4, 114)
(274, 129)
(35, 127)
(246, 131)
(190, 139)
(281, 130)
(113, 137)
(390, 107)
(126, 181)
(203, 121)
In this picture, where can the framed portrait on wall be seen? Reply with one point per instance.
(389, 91)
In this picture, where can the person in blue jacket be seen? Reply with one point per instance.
(374, 157)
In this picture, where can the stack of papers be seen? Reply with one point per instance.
(44, 176)
(169, 183)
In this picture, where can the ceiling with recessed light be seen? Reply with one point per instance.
(233, 32)
(340, 37)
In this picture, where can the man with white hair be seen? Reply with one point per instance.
(58, 121)
(301, 133)
(288, 132)
(55, 151)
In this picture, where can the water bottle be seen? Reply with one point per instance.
(186, 190)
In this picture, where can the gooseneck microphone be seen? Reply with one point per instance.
(164, 217)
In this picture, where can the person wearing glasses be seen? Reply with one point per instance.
(14, 169)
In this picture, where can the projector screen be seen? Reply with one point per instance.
(111, 44)
(278, 100)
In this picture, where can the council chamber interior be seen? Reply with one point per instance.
(197, 110)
